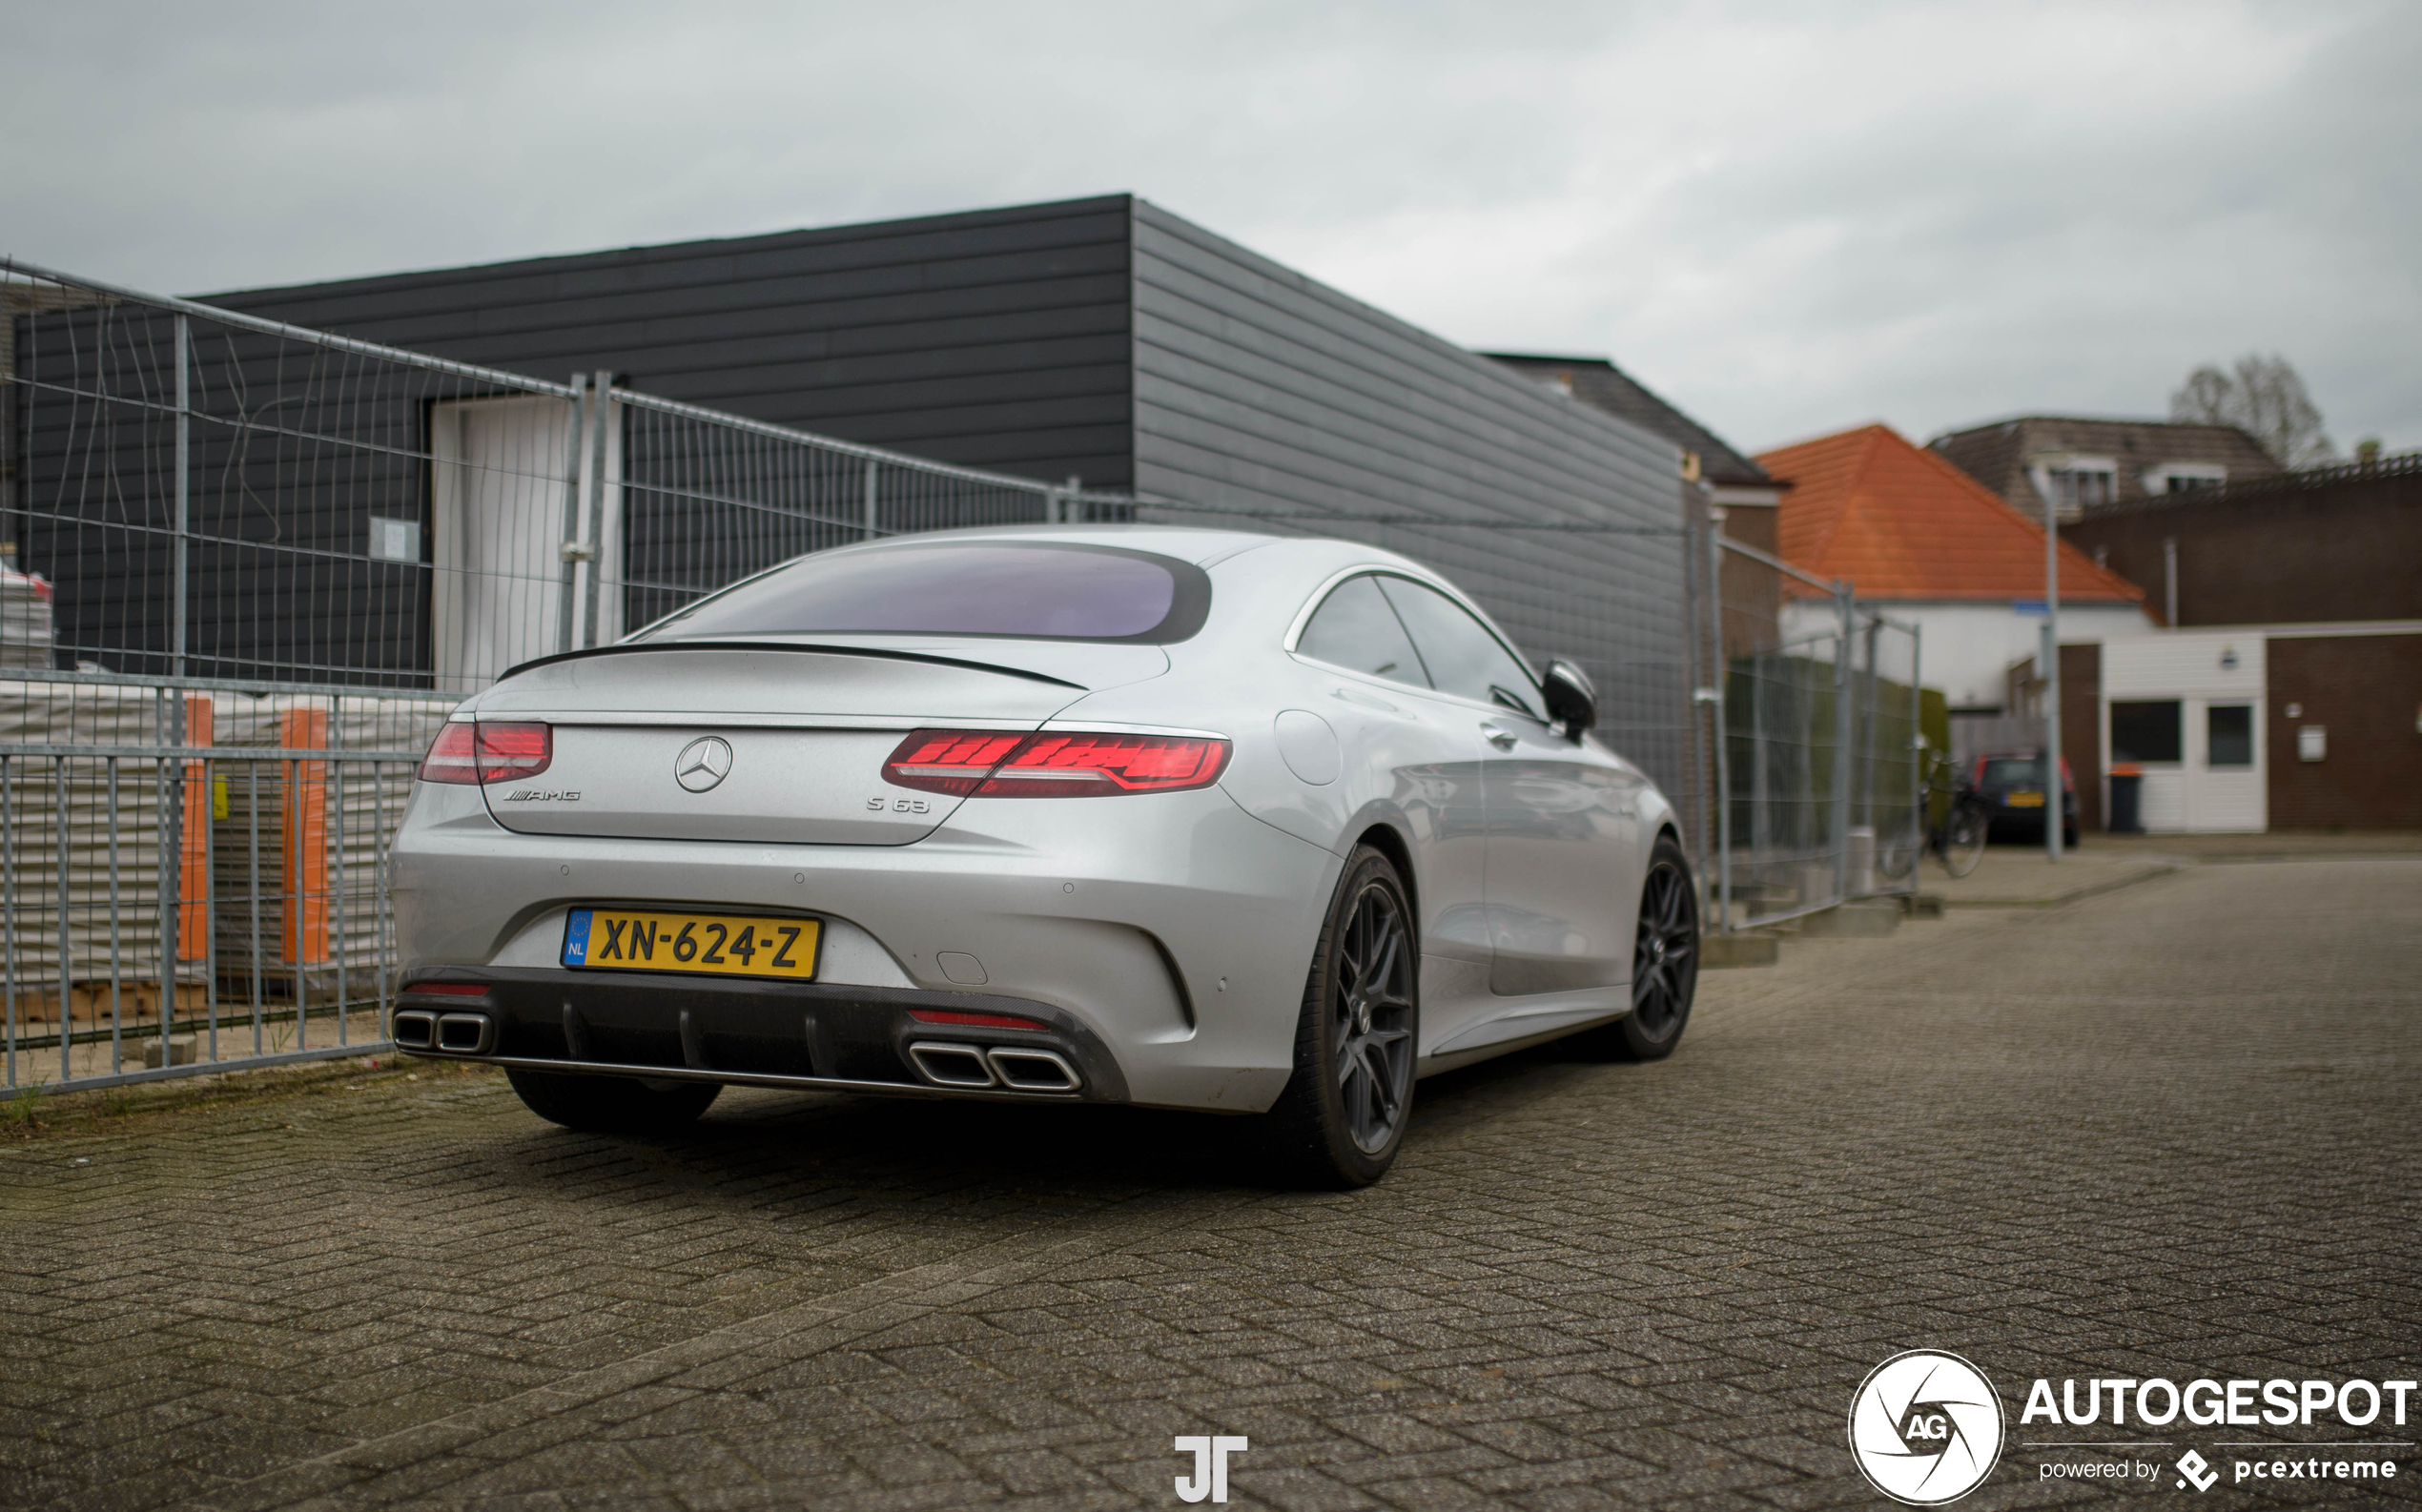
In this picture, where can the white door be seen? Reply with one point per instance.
(502, 513)
(2224, 767)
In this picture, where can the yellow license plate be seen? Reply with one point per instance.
(700, 944)
(2025, 800)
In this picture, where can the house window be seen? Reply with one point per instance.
(2181, 478)
(2073, 482)
(2144, 731)
(2082, 487)
(2229, 735)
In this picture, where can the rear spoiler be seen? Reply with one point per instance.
(880, 653)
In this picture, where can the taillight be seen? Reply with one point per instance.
(938, 1015)
(466, 752)
(451, 989)
(948, 761)
(1055, 764)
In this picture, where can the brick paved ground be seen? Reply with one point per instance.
(2172, 1131)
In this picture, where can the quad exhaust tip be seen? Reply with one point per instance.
(461, 1033)
(1033, 1071)
(1013, 1067)
(466, 1033)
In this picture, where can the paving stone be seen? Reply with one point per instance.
(2165, 1131)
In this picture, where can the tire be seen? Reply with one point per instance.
(1963, 837)
(619, 1105)
(1664, 965)
(1342, 1119)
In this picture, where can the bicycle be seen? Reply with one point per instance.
(1958, 841)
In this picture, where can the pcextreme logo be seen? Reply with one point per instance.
(1925, 1428)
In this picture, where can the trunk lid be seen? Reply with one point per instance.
(765, 742)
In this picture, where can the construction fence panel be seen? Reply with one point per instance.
(247, 569)
(190, 871)
(1819, 710)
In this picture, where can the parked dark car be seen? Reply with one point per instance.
(2011, 784)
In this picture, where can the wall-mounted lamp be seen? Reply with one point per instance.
(2228, 659)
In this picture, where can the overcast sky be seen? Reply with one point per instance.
(1788, 219)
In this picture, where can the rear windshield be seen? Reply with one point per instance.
(2013, 771)
(1046, 591)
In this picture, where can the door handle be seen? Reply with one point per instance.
(1499, 736)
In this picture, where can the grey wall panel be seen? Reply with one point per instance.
(996, 338)
(1257, 388)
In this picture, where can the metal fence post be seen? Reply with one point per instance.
(1839, 829)
(1871, 726)
(184, 495)
(874, 497)
(1703, 829)
(593, 538)
(1720, 682)
(568, 579)
(2055, 796)
(169, 803)
(1920, 802)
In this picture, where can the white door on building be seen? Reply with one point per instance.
(497, 529)
(2226, 787)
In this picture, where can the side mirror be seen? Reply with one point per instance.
(1571, 702)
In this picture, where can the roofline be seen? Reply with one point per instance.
(1542, 356)
(685, 245)
(2086, 419)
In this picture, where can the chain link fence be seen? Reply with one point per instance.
(1823, 730)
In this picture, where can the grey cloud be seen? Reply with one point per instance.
(1789, 219)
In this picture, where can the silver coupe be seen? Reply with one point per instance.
(1190, 818)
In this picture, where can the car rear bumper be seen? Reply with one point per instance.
(1174, 929)
(802, 1034)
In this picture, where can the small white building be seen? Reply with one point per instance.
(2186, 708)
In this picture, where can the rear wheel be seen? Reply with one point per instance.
(1342, 1118)
(612, 1104)
(1963, 837)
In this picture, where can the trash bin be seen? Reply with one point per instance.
(2127, 787)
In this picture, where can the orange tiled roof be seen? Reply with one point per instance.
(1901, 523)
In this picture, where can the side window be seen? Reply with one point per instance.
(1354, 628)
(1462, 656)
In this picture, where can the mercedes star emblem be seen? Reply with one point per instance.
(702, 763)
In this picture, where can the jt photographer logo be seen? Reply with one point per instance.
(1210, 1478)
(1925, 1428)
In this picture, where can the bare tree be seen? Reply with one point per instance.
(2266, 399)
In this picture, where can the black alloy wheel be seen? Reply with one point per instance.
(1371, 1017)
(1665, 963)
(1342, 1114)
